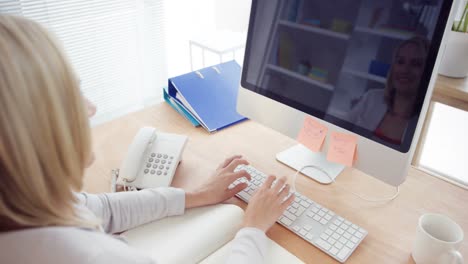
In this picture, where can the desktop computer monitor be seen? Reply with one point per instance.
(361, 67)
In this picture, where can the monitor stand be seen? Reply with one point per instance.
(299, 156)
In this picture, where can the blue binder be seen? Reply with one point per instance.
(180, 108)
(210, 94)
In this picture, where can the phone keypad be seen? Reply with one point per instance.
(159, 164)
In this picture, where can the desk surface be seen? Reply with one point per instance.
(391, 226)
(451, 91)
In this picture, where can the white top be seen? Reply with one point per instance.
(119, 212)
(370, 110)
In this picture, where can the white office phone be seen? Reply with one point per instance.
(152, 159)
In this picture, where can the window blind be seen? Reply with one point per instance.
(116, 47)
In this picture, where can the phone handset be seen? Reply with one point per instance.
(152, 159)
(140, 148)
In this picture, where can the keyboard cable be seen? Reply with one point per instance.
(353, 193)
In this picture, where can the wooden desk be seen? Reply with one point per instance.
(451, 91)
(391, 226)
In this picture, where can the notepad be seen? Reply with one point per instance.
(201, 235)
(312, 134)
(342, 148)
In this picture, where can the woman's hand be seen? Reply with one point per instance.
(267, 204)
(215, 189)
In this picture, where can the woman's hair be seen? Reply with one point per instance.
(423, 45)
(44, 132)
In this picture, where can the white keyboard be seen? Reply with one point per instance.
(314, 223)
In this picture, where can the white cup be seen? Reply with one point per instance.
(438, 239)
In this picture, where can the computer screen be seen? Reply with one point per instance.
(362, 65)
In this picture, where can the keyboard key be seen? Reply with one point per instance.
(350, 244)
(329, 232)
(348, 222)
(344, 226)
(324, 221)
(355, 226)
(343, 253)
(244, 195)
(317, 218)
(328, 217)
(343, 240)
(310, 236)
(340, 231)
(358, 235)
(338, 245)
(351, 230)
(324, 237)
(362, 230)
(295, 205)
(331, 213)
(315, 209)
(310, 214)
(336, 236)
(307, 227)
(305, 204)
(321, 213)
(331, 241)
(300, 211)
(323, 244)
(337, 222)
(347, 235)
(334, 251)
(333, 227)
(296, 228)
(286, 221)
(303, 232)
(289, 215)
(354, 240)
(292, 210)
(341, 219)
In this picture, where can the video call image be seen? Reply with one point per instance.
(357, 64)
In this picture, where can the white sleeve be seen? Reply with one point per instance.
(125, 210)
(358, 109)
(248, 247)
(361, 107)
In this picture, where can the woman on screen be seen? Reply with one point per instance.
(45, 147)
(387, 112)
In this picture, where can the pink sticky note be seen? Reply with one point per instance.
(342, 148)
(312, 134)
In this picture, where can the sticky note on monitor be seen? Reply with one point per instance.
(342, 148)
(312, 134)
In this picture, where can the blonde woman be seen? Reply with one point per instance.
(45, 146)
(388, 112)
